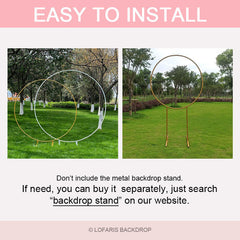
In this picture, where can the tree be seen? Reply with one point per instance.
(159, 84)
(102, 65)
(179, 77)
(115, 89)
(26, 65)
(192, 83)
(210, 83)
(142, 80)
(134, 59)
(225, 63)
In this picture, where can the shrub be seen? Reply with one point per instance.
(86, 106)
(153, 103)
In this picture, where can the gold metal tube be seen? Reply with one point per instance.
(187, 127)
(166, 127)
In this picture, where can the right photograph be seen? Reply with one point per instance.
(177, 103)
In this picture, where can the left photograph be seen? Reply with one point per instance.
(63, 103)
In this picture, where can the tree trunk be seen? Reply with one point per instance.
(44, 99)
(175, 95)
(130, 95)
(31, 99)
(92, 108)
(60, 95)
(92, 103)
(116, 98)
(78, 103)
(21, 112)
(101, 101)
(100, 121)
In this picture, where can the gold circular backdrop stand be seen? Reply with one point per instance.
(36, 139)
(176, 55)
(184, 107)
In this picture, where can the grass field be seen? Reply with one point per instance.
(210, 132)
(103, 144)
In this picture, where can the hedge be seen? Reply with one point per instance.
(72, 105)
(152, 103)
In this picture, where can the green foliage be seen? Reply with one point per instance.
(212, 85)
(28, 64)
(72, 105)
(225, 63)
(158, 82)
(141, 82)
(210, 132)
(134, 59)
(61, 105)
(99, 63)
(181, 82)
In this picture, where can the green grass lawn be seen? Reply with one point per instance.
(103, 144)
(210, 132)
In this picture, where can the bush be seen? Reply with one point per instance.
(153, 103)
(86, 106)
(61, 105)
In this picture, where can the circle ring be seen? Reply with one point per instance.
(36, 139)
(177, 55)
(105, 103)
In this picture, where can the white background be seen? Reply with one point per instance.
(224, 173)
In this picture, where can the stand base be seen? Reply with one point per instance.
(187, 139)
(166, 144)
(188, 144)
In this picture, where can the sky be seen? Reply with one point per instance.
(204, 57)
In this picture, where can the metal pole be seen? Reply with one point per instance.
(188, 145)
(166, 127)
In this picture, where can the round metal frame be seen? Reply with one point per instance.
(36, 139)
(176, 55)
(105, 103)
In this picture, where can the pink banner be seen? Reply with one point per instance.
(124, 13)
